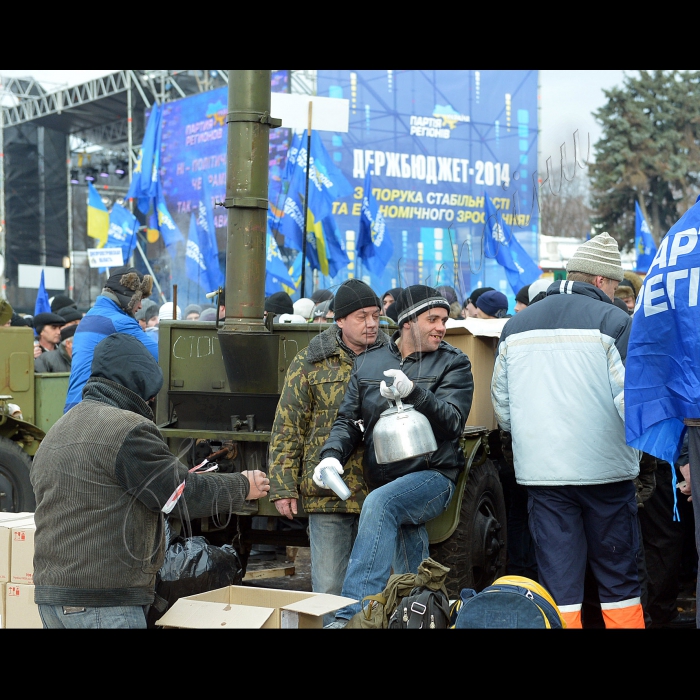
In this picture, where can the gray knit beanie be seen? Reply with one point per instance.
(599, 256)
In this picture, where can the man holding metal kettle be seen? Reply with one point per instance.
(411, 476)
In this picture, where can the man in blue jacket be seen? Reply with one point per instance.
(436, 379)
(113, 312)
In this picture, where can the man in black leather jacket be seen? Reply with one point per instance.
(436, 379)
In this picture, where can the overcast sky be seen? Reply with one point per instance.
(567, 101)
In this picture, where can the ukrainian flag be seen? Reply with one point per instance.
(97, 217)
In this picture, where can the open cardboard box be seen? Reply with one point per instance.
(478, 338)
(245, 607)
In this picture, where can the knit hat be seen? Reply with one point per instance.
(68, 331)
(522, 295)
(143, 313)
(303, 307)
(70, 313)
(60, 301)
(322, 308)
(599, 256)
(279, 303)
(208, 315)
(449, 293)
(129, 286)
(541, 285)
(492, 303)
(476, 293)
(391, 312)
(394, 293)
(165, 313)
(352, 295)
(321, 295)
(416, 300)
(191, 309)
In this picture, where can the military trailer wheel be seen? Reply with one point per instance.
(476, 551)
(16, 493)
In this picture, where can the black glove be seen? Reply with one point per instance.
(645, 483)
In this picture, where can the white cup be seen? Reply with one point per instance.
(332, 480)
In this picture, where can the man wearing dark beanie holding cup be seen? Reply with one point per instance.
(435, 378)
(313, 391)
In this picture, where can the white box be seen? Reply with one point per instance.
(22, 556)
(21, 612)
(6, 543)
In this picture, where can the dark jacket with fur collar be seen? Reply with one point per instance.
(313, 390)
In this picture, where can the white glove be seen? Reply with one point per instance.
(331, 462)
(402, 383)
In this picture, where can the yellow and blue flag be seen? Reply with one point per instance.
(662, 370)
(97, 217)
(500, 244)
(144, 180)
(374, 244)
(169, 230)
(277, 275)
(643, 240)
(195, 267)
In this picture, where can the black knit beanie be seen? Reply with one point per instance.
(522, 295)
(417, 299)
(129, 286)
(352, 295)
(279, 303)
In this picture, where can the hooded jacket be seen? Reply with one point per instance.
(103, 319)
(101, 477)
(557, 387)
(443, 390)
(313, 391)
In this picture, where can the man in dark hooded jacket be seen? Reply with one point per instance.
(101, 477)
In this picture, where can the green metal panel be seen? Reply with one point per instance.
(50, 392)
(17, 368)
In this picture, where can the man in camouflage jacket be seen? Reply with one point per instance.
(313, 391)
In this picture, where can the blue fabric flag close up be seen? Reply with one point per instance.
(123, 226)
(374, 244)
(500, 244)
(169, 230)
(144, 179)
(643, 240)
(41, 305)
(662, 376)
(207, 242)
(276, 272)
(195, 267)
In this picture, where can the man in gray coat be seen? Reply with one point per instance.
(101, 477)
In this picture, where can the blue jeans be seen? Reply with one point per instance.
(130, 617)
(392, 529)
(331, 536)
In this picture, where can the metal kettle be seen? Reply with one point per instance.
(402, 433)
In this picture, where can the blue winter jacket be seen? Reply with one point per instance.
(103, 319)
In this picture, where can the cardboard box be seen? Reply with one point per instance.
(478, 338)
(22, 555)
(21, 612)
(3, 593)
(245, 607)
(6, 543)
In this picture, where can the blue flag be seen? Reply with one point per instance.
(500, 244)
(662, 376)
(374, 245)
(337, 257)
(643, 240)
(123, 226)
(207, 243)
(195, 266)
(276, 272)
(144, 180)
(41, 305)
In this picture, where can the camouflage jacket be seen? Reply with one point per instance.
(314, 388)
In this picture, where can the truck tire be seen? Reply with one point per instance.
(16, 493)
(476, 551)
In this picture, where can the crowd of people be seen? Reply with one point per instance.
(588, 517)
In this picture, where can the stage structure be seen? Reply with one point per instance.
(52, 144)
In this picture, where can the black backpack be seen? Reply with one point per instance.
(422, 608)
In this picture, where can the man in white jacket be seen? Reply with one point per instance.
(557, 387)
